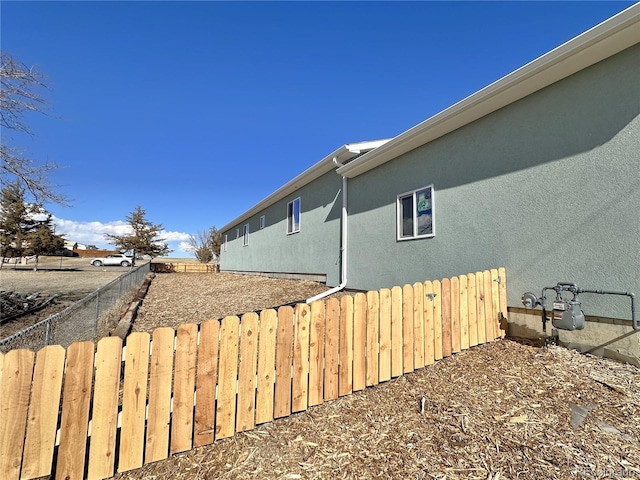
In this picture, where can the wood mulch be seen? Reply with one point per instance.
(505, 410)
(176, 298)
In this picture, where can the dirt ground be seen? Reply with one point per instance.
(69, 279)
(505, 410)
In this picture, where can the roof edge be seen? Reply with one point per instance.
(596, 44)
(318, 169)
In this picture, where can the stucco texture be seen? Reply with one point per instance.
(546, 187)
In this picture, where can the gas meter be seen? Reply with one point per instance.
(567, 313)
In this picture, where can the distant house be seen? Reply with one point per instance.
(70, 245)
(538, 172)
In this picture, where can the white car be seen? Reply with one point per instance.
(113, 259)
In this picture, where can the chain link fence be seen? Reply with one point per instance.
(82, 320)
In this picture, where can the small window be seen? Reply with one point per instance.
(293, 216)
(245, 235)
(415, 214)
(237, 233)
(262, 222)
(224, 243)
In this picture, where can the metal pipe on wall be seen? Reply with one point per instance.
(343, 244)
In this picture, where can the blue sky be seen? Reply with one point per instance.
(196, 111)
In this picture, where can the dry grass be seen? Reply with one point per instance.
(498, 411)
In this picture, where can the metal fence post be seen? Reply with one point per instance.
(97, 307)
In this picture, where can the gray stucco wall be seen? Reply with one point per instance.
(548, 187)
(315, 249)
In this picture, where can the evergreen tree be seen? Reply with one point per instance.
(144, 237)
(43, 241)
(16, 220)
(21, 233)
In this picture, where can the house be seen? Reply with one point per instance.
(538, 172)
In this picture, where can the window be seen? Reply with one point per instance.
(293, 216)
(224, 243)
(261, 222)
(237, 233)
(245, 235)
(415, 214)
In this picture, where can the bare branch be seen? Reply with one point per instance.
(19, 87)
(35, 177)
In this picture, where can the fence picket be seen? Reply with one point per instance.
(490, 319)
(407, 328)
(134, 401)
(384, 369)
(418, 325)
(227, 377)
(446, 317)
(472, 305)
(17, 374)
(359, 340)
(480, 298)
(455, 315)
(373, 339)
(464, 312)
(104, 417)
(157, 445)
(42, 421)
(495, 302)
(76, 397)
(247, 371)
(316, 353)
(502, 299)
(331, 349)
(396, 332)
(345, 377)
(206, 379)
(300, 392)
(428, 306)
(437, 320)
(284, 360)
(266, 365)
(184, 381)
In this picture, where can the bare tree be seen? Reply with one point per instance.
(205, 244)
(19, 94)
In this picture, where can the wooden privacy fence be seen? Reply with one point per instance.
(87, 412)
(173, 267)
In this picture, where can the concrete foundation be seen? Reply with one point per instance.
(604, 337)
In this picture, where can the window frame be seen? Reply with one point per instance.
(245, 235)
(291, 212)
(414, 214)
(224, 242)
(262, 222)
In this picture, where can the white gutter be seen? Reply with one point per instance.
(309, 175)
(343, 243)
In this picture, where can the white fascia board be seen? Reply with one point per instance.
(602, 41)
(344, 153)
